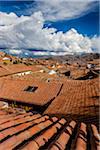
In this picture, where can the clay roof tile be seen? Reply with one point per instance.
(41, 119)
(97, 136)
(31, 146)
(33, 131)
(62, 121)
(63, 139)
(54, 119)
(82, 138)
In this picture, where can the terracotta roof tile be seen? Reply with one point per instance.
(42, 139)
(15, 68)
(16, 129)
(63, 139)
(31, 146)
(6, 116)
(41, 119)
(62, 121)
(96, 136)
(54, 119)
(2, 113)
(74, 103)
(25, 135)
(82, 138)
(4, 120)
(3, 71)
(37, 131)
(15, 122)
(19, 94)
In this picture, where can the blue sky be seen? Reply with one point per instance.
(75, 17)
(87, 23)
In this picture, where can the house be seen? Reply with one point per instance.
(15, 70)
(6, 60)
(29, 92)
(90, 66)
(52, 72)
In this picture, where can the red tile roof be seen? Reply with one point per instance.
(77, 98)
(81, 139)
(64, 137)
(27, 131)
(16, 68)
(3, 71)
(44, 93)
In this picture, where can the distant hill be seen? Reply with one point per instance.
(85, 57)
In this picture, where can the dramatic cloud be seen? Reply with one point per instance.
(27, 32)
(54, 10)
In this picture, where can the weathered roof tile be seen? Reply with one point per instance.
(96, 136)
(82, 138)
(29, 131)
(63, 139)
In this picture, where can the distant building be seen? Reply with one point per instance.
(90, 66)
(6, 60)
(15, 70)
(52, 72)
(23, 73)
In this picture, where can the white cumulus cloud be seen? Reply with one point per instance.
(27, 32)
(96, 44)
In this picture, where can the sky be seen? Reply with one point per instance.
(49, 27)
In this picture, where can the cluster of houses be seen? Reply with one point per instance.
(43, 104)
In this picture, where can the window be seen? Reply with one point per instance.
(30, 88)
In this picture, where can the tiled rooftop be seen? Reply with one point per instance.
(77, 98)
(12, 69)
(3, 71)
(69, 118)
(30, 131)
(14, 90)
(16, 68)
